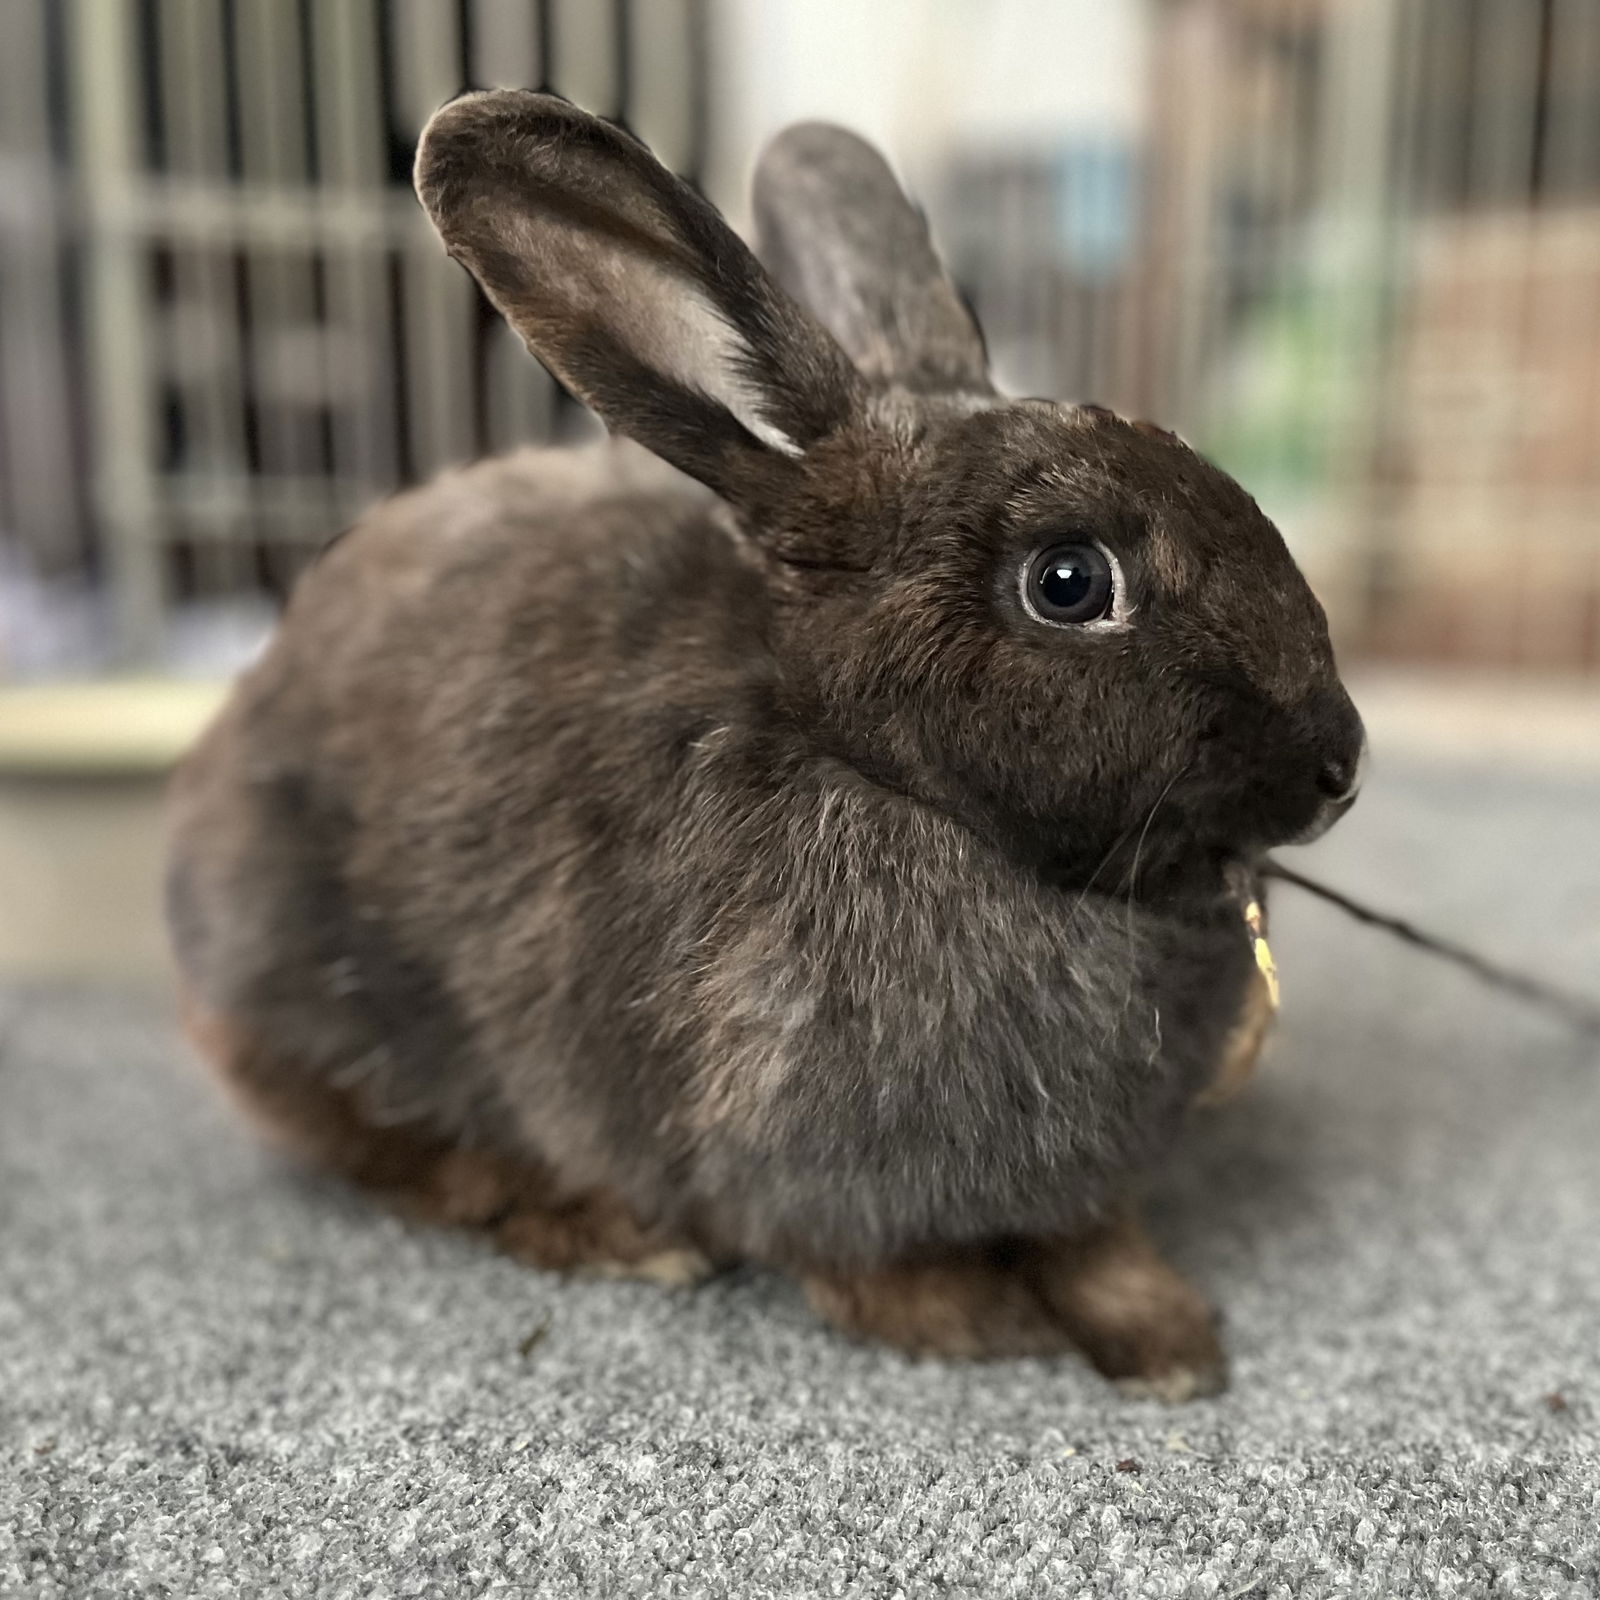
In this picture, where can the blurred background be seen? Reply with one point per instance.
(1351, 248)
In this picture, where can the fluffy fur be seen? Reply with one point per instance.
(742, 848)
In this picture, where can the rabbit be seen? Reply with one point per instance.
(809, 828)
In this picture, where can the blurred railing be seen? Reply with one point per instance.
(1355, 253)
(1353, 250)
(224, 324)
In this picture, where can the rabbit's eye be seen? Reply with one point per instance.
(1068, 584)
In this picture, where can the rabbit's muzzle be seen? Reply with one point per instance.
(1270, 775)
(1338, 782)
(1335, 755)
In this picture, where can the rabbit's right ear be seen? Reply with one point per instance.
(847, 243)
(632, 289)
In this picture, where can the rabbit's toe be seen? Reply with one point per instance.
(675, 1268)
(1137, 1319)
(1178, 1384)
(596, 1235)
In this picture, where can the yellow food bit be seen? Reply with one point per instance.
(1263, 952)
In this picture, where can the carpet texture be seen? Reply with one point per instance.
(219, 1377)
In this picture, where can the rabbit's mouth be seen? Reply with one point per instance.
(1329, 813)
(1245, 819)
(1339, 786)
(1272, 775)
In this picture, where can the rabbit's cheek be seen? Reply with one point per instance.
(1328, 813)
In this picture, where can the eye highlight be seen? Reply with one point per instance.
(1069, 584)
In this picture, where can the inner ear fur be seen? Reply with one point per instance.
(630, 286)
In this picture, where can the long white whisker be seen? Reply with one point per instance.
(1105, 861)
(1133, 883)
(1132, 880)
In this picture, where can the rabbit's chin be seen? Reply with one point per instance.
(1325, 818)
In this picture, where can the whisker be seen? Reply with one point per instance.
(1131, 881)
(1105, 861)
(1132, 885)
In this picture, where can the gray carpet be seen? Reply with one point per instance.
(220, 1378)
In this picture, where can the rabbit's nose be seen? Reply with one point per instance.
(1337, 782)
(1340, 780)
(1338, 746)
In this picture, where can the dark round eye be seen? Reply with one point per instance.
(1069, 583)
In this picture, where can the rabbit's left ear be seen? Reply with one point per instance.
(841, 236)
(632, 290)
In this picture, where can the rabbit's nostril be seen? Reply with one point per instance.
(1339, 780)
(1339, 777)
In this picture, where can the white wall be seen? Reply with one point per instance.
(914, 75)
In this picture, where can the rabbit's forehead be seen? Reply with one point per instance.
(1143, 484)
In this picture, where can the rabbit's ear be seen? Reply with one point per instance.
(631, 288)
(844, 240)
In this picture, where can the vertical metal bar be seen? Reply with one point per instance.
(1366, 167)
(39, 499)
(273, 124)
(585, 66)
(287, 341)
(210, 362)
(697, 89)
(1403, 610)
(441, 305)
(1355, 137)
(1379, 503)
(1564, 336)
(621, 42)
(1506, 71)
(1139, 292)
(1197, 282)
(1164, 310)
(1101, 296)
(661, 71)
(350, 120)
(519, 395)
(505, 44)
(102, 48)
(1274, 269)
(1263, 268)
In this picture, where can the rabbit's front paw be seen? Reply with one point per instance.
(595, 1235)
(1106, 1294)
(969, 1305)
(1139, 1321)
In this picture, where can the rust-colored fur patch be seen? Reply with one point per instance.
(1242, 1051)
(966, 1305)
(1107, 1294)
(1135, 1317)
(431, 1180)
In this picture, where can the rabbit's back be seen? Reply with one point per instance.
(427, 746)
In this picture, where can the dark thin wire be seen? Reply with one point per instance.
(1580, 1011)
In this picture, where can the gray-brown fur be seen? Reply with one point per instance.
(840, 237)
(741, 850)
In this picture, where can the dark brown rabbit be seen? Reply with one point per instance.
(822, 841)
